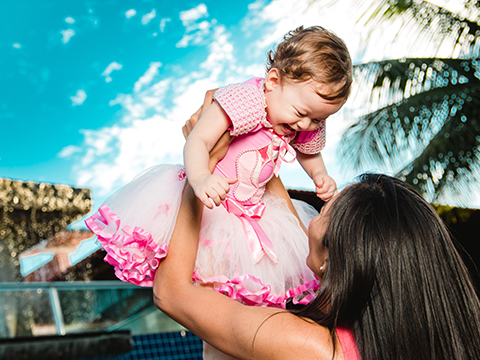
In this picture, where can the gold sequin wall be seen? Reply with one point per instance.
(32, 212)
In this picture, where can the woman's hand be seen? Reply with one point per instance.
(190, 123)
(221, 147)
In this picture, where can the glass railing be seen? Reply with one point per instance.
(60, 308)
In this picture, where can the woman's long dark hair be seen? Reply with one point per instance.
(394, 277)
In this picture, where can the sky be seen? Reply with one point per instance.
(95, 91)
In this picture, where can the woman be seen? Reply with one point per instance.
(389, 272)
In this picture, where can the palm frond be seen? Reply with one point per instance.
(433, 23)
(397, 132)
(450, 161)
(413, 133)
(387, 82)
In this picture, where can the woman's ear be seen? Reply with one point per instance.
(323, 267)
(272, 79)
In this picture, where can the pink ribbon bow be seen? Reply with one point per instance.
(284, 148)
(257, 240)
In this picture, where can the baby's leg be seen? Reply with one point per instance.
(211, 353)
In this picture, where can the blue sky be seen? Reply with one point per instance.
(95, 91)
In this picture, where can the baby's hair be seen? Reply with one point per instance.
(317, 54)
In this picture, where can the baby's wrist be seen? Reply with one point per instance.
(319, 173)
(195, 181)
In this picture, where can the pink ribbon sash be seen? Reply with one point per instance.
(258, 241)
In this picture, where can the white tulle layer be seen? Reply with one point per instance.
(151, 202)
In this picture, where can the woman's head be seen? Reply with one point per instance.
(393, 274)
(314, 54)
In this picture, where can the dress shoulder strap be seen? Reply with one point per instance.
(347, 342)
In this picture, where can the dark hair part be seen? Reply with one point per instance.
(394, 277)
(314, 54)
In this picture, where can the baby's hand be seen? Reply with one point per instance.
(325, 186)
(212, 189)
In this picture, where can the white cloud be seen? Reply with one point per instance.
(69, 20)
(256, 5)
(69, 151)
(195, 32)
(130, 13)
(221, 52)
(147, 17)
(147, 77)
(163, 23)
(79, 97)
(194, 14)
(112, 66)
(115, 155)
(67, 35)
(149, 132)
(17, 46)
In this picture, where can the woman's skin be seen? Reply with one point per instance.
(241, 331)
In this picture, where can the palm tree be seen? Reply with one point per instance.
(425, 122)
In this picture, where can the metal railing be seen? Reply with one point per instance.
(48, 308)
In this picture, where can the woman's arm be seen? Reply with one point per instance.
(241, 331)
(275, 186)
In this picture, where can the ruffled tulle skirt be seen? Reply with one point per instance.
(135, 225)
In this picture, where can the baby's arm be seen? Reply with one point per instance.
(325, 186)
(213, 123)
(221, 147)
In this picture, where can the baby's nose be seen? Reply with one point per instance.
(304, 123)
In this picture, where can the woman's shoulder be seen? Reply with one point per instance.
(284, 335)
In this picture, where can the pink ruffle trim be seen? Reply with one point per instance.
(235, 289)
(132, 252)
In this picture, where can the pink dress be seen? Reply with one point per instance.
(347, 343)
(252, 248)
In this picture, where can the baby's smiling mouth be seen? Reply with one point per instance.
(289, 129)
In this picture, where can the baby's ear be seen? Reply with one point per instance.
(272, 79)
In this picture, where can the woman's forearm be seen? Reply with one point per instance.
(177, 268)
(276, 186)
(203, 311)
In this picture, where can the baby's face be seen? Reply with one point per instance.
(296, 106)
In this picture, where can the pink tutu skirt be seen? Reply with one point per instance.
(135, 225)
